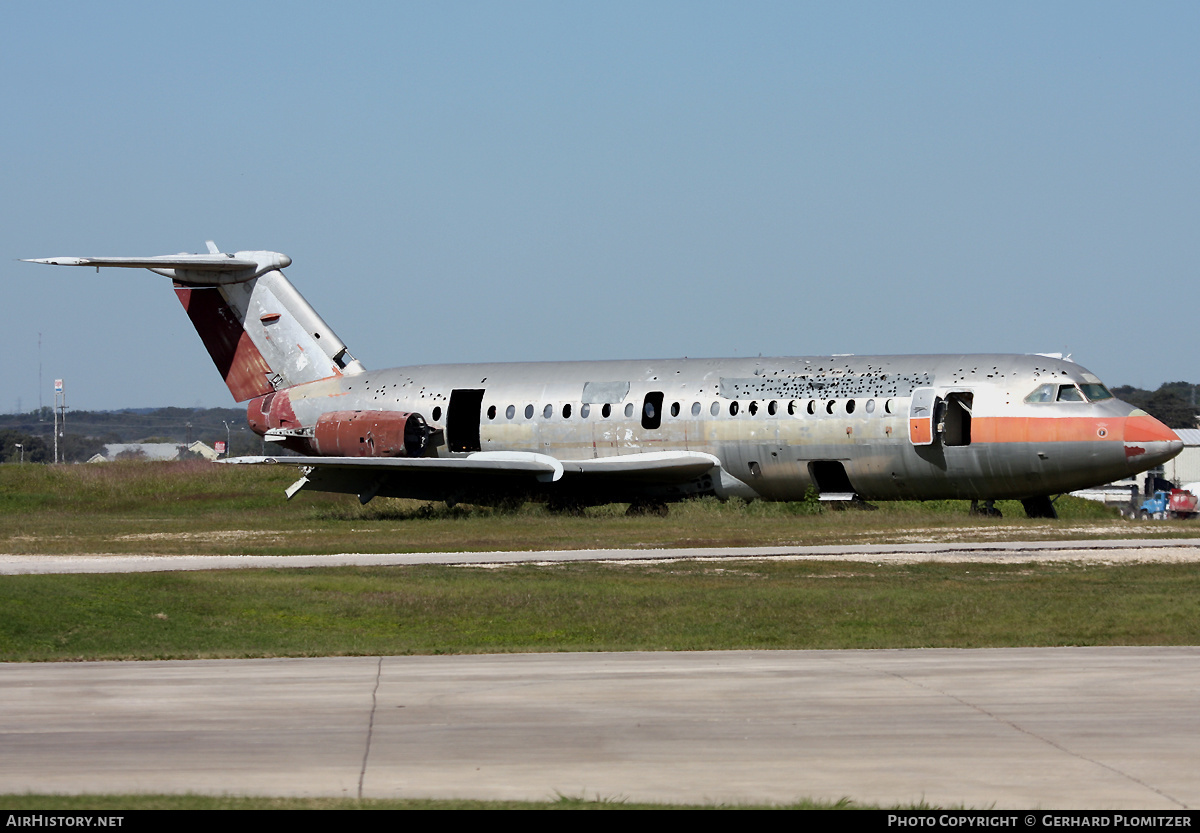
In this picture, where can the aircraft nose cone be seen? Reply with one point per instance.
(1148, 442)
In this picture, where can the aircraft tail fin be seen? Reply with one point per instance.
(261, 333)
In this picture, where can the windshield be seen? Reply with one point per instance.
(1095, 393)
(1044, 393)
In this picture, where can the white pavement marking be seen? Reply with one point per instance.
(1009, 728)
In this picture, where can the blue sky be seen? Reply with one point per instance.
(537, 181)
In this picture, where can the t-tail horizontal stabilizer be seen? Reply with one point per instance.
(260, 332)
(210, 269)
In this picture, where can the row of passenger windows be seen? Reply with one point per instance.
(773, 408)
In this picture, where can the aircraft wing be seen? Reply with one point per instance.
(485, 474)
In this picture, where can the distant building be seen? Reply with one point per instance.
(1186, 467)
(153, 451)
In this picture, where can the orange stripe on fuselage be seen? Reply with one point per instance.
(1069, 429)
(1147, 429)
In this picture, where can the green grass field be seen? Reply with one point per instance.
(203, 508)
(679, 606)
(685, 605)
(191, 508)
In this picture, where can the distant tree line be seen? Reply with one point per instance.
(1174, 403)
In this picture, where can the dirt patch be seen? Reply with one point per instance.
(217, 535)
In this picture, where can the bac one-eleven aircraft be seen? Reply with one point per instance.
(979, 427)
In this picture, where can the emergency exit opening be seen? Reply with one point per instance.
(652, 410)
(462, 420)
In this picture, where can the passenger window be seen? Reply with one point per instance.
(773, 407)
(606, 411)
(715, 408)
(491, 412)
(528, 412)
(566, 411)
(510, 412)
(733, 408)
(849, 406)
(792, 407)
(547, 412)
(584, 410)
(695, 409)
(753, 409)
(629, 410)
(674, 409)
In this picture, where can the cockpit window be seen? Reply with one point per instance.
(1044, 393)
(1096, 393)
(1084, 392)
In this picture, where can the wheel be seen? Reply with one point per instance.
(649, 507)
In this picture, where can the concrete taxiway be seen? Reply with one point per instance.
(1006, 728)
(1093, 550)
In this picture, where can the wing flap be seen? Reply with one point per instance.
(650, 466)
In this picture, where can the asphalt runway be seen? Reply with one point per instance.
(1007, 728)
(1092, 550)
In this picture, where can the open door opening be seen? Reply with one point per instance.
(462, 420)
(956, 421)
(831, 480)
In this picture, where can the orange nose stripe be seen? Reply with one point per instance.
(1147, 429)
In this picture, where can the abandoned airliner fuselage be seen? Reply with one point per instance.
(981, 427)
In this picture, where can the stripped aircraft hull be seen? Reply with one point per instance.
(1015, 451)
(978, 427)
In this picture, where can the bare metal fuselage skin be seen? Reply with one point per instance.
(980, 427)
(775, 424)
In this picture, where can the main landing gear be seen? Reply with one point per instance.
(988, 510)
(1039, 507)
(649, 507)
(1035, 507)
